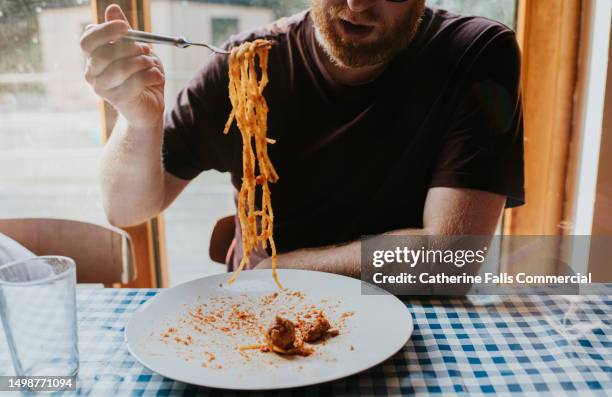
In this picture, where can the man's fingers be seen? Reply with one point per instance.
(115, 27)
(121, 70)
(134, 86)
(114, 12)
(104, 55)
(103, 33)
(88, 75)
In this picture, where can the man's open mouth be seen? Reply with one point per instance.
(355, 31)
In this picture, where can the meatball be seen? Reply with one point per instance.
(313, 331)
(282, 334)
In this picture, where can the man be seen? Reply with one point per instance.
(388, 116)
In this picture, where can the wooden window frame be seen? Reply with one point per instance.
(601, 224)
(548, 32)
(557, 38)
(593, 152)
(602, 211)
(148, 239)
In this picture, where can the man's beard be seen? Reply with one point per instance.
(353, 54)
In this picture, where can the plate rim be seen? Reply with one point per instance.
(140, 311)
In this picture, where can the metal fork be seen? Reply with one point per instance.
(180, 42)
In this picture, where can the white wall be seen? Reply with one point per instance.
(593, 78)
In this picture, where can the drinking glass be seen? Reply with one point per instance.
(38, 311)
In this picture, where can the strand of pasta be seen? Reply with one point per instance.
(250, 111)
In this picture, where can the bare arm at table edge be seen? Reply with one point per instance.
(135, 186)
(448, 211)
(130, 77)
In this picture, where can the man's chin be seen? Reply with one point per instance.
(355, 57)
(348, 54)
(355, 62)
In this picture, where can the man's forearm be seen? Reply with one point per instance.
(132, 174)
(341, 259)
(448, 211)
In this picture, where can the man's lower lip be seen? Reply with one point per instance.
(354, 32)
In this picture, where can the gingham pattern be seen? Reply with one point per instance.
(504, 346)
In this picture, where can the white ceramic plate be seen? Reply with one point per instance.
(380, 325)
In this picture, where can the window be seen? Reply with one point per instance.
(500, 10)
(222, 28)
(50, 126)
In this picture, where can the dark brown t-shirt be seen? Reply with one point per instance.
(358, 160)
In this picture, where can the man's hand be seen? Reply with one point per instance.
(125, 73)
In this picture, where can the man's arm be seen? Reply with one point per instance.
(130, 77)
(448, 211)
(135, 186)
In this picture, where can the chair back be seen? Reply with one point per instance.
(222, 240)
(103, 254)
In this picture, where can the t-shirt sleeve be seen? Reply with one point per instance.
(193, 130)
(483, 148)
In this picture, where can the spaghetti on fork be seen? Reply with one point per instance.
(250, 111)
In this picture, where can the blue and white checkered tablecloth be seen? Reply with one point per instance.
(536, 345)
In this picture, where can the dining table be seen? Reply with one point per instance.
(544, 345)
